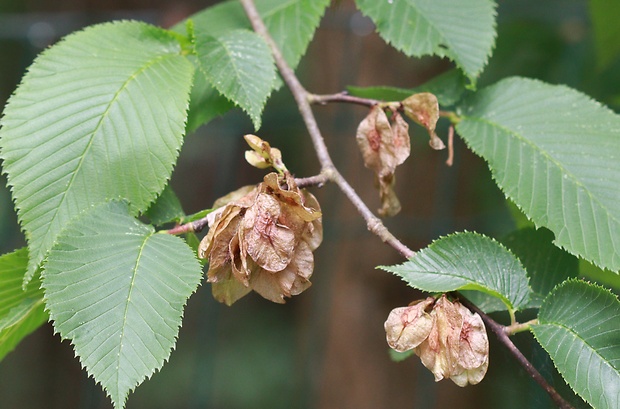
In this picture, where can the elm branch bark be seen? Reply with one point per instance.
(302, 97)
(329, 171)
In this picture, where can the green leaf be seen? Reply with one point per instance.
(279, 16)
(579, 326)
(556, 154)
(467, 261)
(99, 115)
(197, 215)
(167, 208)
(117, 290)
(205, 102)
(604, 14)
(447, 87)
(21, 311)
(240, 66)
(463, 31)
(546, 265)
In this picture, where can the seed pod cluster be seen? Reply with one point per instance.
(450, 340)
(263, 240)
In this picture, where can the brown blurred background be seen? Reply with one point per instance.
(325, 348)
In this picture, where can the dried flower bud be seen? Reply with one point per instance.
(384, 146)
(423, 108)
(263, 241)
(256, 159)
(258, 145)
(408, 327)
(262, 155)
(451, 341)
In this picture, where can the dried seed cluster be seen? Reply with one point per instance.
(450, 340)
(384, 146)
(385, 142)
(262, 240)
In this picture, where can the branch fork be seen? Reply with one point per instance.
(329, 173)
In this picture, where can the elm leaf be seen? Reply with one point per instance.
(279, 16)
(579, 326)
(117, 290)
(467, 261)
(437, 27)
(100, 115)
(240, 66)
(556, 154)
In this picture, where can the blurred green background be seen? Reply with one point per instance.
(325, 348)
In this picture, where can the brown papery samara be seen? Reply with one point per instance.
(450, 340)
(263, 240)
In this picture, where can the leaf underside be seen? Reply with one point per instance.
(579, 326)
(463, 31)
(117, 290)
(467, 261)
(100, 115)
(556, 154)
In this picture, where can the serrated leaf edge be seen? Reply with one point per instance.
(543, 153)
(471, 285)
(556, 324)
(151, 234)
(32, 269)
(447, 51)
(255, 117)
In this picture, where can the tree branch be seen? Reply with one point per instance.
(195, 226)
(374, 224)
(318, 180)
(501, 332)
(199, 224)
(394, 105)
(342, 97)
(303, 97)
